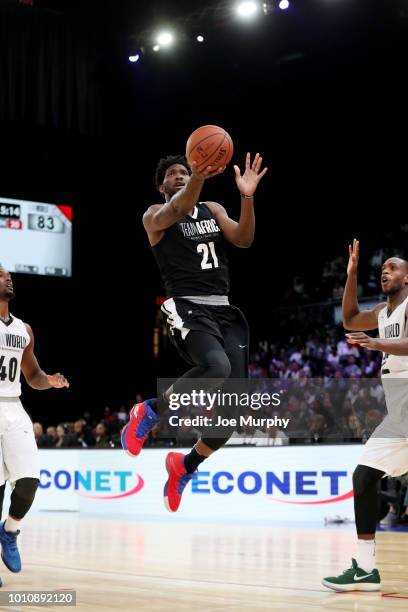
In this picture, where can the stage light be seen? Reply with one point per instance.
(200, 38)
(284, 4)
(156, 48)
(165, 39)
(247, 10)
(134, 58)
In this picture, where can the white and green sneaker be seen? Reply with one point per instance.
(354, 579)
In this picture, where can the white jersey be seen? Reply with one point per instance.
(393, 326)
(13, 340)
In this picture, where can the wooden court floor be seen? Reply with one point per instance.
(175, 566)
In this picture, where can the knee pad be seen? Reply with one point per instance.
(22, 496)
(365, 477)
(26, 487)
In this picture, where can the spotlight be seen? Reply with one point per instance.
(246, 10)
(165, 39)
(134, 58)
(200, 38)
(284, 4)
(156, 48)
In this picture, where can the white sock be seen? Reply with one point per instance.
(11, 524)
(366, 555)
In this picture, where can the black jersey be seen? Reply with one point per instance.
(192, 256)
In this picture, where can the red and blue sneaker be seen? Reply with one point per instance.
(142, 420)
(177, 480)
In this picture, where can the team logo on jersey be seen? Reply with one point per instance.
(12, 341)
(204, 227)
(392, 330)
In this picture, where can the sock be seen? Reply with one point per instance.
(11, 524)
(192, 461)
(366, 555)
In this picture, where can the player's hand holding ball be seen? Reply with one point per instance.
(207, 172)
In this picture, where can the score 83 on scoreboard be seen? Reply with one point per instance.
(36, 237)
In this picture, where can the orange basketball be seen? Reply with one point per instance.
(209, 145)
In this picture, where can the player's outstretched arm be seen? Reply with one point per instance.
(242, 234)
(160, 217)
(353, 318)
(391, 346)
(34, 375)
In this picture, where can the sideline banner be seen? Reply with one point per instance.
(299, 483)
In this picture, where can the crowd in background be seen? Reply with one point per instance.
(87, 431)
(333, 394)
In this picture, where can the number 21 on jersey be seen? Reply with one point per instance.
(205, 248)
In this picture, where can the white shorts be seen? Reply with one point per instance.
(387, 449)
(19, 457)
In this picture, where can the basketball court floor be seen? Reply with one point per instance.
(177, 565)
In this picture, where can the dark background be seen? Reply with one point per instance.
(319, 90)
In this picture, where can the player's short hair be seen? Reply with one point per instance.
(165, 163)
(404, 261)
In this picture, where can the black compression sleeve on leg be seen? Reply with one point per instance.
(193, 460)
(215, 443)
(22, 497)
(365, 481)
(212, 363)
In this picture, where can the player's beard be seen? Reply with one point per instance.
(392, 291)
(9, 295)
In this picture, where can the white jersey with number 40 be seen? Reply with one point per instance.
(13, 340)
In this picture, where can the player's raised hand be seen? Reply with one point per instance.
(248, 182)
(58, 381)
(353, 257)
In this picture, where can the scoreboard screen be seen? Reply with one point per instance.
(35, 237)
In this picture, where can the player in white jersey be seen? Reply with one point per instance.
(386, 452)
(18, 451)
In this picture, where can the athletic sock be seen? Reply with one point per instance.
(366, 555)
(11, 524)
(192, 461)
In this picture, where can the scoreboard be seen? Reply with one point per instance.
(36, 237)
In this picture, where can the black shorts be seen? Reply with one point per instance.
(183, 316)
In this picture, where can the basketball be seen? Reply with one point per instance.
(209, 145)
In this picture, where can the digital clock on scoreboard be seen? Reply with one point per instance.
(35, 237)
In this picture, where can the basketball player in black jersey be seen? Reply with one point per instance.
(188, 239)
